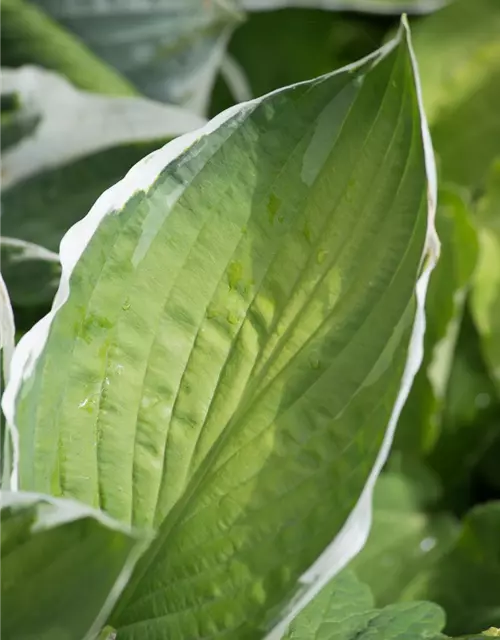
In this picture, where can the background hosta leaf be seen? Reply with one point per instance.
(80, 144)
(344, 610)
(169, 49)
(31, 37)
(404, 539)
(63, 566)
(466, 580)
(72, 123)
(371, 6)
(486, 291)
(420, 420)
(458, 53)
(232, 342)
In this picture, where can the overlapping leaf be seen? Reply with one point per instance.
(63, 566)
(239, 330)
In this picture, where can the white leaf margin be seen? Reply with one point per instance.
(383, 7)
(65, 511)
(75, 123)
(350, 540)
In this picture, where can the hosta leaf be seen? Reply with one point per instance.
(466, 580)
(170, 49)
(486, 291)
(80, 144)
(458, 53)
(370, 6)
(31, 37)
(63, 566)
(73, 123)
(404, 539)
(344, 610)
(420, 420)
(235, 332)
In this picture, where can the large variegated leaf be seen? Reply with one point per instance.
(170, 49)
(370, 6)
(237, 327)
(70, 146)
(458, 51)
(486, 291)
(63, 567)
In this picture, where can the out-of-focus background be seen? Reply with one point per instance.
(89, 87)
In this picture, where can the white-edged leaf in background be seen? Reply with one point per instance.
(77, 144)
(63, 567)
(73, 123)
(170, 49)
(237, 327)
